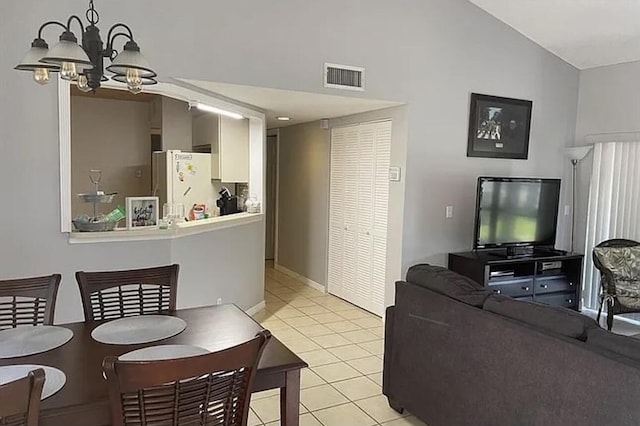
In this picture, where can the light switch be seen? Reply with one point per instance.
(394, 174)
(448, 212)
(567, 210)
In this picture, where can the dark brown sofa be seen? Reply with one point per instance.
(456, 354)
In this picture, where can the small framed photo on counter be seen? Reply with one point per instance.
(142, 212)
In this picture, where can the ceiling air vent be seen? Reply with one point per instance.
(343, 77)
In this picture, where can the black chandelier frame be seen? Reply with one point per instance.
(92, 45)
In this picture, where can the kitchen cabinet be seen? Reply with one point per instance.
(229, 142)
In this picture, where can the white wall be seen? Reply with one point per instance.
(608, 107)
(176, 125)
(429, 54)
(303, 211)
(112, 136)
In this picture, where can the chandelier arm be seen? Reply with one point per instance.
(110, 50)
(112, 29)
(46, 24)
(79, 22)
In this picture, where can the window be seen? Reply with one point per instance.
(614, 205)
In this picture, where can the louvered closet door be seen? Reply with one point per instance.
(380, 213)
(336, 211)
(360, 159)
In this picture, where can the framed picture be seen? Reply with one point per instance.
(142, 212)
(499, 127)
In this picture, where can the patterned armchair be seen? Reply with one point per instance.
(618, 261)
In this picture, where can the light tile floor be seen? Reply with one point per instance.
(343, 346)
(622, 327)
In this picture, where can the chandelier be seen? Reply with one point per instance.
(84, 63)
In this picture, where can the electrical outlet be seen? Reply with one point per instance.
(448, 212)
(219, 301)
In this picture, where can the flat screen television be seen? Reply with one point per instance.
(516, 212)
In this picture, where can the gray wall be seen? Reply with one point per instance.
(609, 104)
(303, 210)
(221, 264)
(429, 54)
(120, 151)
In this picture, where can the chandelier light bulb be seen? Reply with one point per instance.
(133, 77)
(69, 71)
(41, 76)
(134, 81)
(135, 88)
(83, 84)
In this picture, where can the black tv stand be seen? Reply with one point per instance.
(545, 275)
(524, 252)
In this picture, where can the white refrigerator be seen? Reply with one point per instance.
(185, 177)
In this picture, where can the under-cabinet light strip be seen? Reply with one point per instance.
(209, 108)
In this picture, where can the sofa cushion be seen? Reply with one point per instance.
(557, 320)
(621, 345)
(451, 284)
(624, 265)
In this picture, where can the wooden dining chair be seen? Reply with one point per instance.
(118, 294)
(20, 400)
(28, 301)
(211, 389)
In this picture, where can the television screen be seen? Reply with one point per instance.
(516, 211)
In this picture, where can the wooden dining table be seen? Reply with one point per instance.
(84, 399)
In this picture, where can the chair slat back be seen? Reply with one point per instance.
(28, 301)
(20, 400)
(118, 294)
(211, 389)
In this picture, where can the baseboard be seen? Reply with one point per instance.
(257, 308)
(299, 277)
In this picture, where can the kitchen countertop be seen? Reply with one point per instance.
(183, 230)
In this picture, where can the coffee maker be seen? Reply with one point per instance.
(227, 203)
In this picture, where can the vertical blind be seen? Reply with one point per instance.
(614, 205)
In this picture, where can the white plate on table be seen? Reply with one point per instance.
(23, 341)
(138, 329)
(53, 382)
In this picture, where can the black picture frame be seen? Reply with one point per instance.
(499, 127)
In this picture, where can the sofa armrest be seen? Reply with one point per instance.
(388, 346)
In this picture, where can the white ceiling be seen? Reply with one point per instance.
(585, 33)
(302, 107)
